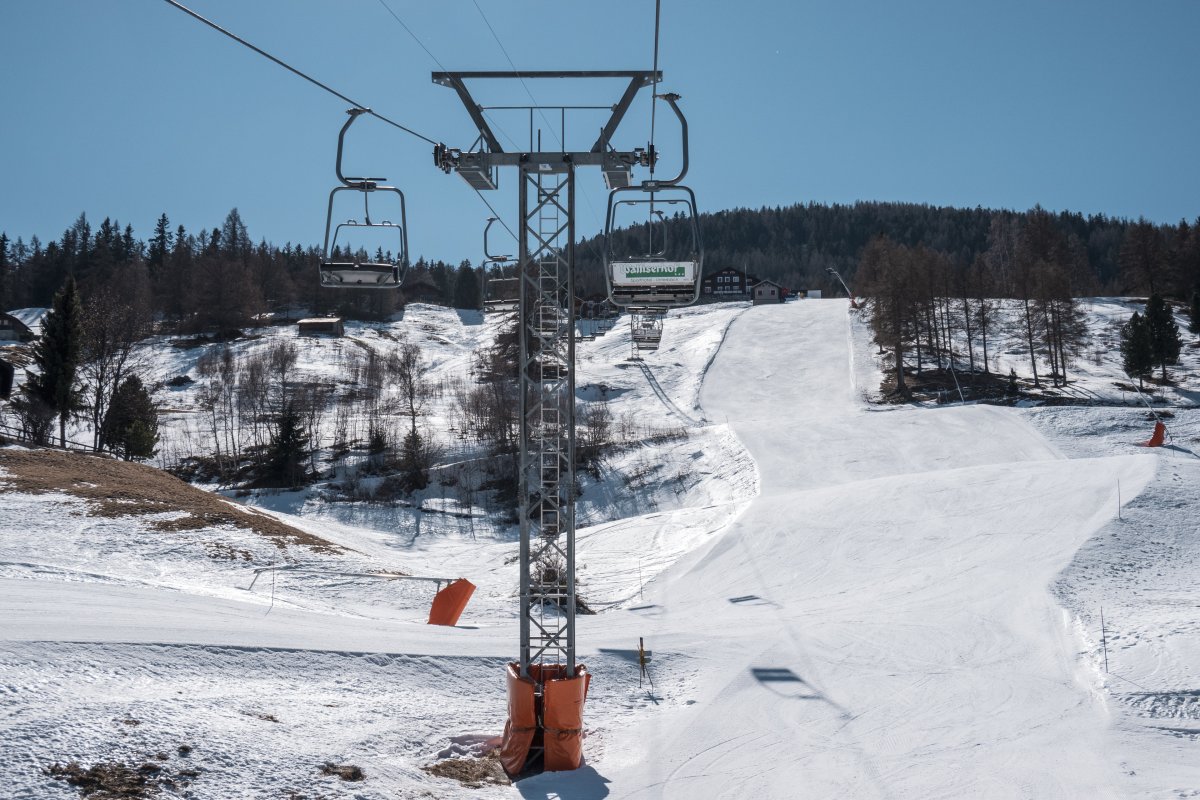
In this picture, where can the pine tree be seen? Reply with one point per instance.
(160, 246)
(1194, 314)
(4, 270)
(1137, 354)
(130, 427)
(466, 287)
(288, 450)
(1165, 343)
(415, 460)
(56, 354)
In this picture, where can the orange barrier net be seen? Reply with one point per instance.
(448, 604)
(1159, 436)
(555, 719)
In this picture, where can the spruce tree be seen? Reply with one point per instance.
(1137, 355)
(56, 354)
(1165, 343)
(289, 450)
(1194, 314)
(130, 427)
(466, 287)
(4, 269)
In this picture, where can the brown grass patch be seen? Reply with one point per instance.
(120, 488)
(111, 780)
(474, 773)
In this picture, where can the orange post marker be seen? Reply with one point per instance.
(448, 604)
(1159, 436)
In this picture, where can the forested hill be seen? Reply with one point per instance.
(795, 245)
(219, 278)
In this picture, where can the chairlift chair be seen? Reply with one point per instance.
(646, 327)
(500, 292)
(667, 274)
(354, 269)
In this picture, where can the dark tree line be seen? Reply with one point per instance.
(795, 245)
(214, 280)
(922, 301)
(219, 279)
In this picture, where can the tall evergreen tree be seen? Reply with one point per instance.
(130, 427)
(288, 450)
(1194, 314)
(466, 287)
(1137, 353)
(1164, 333)
(56, 354)
(160, 246)
(4, 270)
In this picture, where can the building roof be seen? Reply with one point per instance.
(31, 318)
(319, 320)
(773, 283)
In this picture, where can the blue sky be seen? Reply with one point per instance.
(129, 108)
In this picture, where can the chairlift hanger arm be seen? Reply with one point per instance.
(362, 184)
(672, 100)
(486, 250)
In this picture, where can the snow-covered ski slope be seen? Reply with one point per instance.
(877, 623)
(901, 611)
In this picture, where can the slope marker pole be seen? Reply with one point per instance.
(1103, 639)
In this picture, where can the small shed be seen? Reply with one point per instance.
(22, 325)
(317, 326)
(768, 292)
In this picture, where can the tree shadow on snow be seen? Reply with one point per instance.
(581, 784)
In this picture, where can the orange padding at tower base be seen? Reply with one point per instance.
(1160, 435)
(560, 710)
(562, 719)
(448, 604)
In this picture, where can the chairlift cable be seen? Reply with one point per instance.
(587, 200)
(525, 85)
(295, 71)
(496, 214)
(442, 66)
(409, 31)
(654, 91)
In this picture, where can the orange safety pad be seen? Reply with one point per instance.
(562, 719)
(1160, 435)
(522, 721)
(448, 604)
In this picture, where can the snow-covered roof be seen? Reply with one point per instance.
(31, 318)
(319, 320)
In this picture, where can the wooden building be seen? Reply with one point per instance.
(727, 282)
(22, 325)
(327, 326)
(768, 292)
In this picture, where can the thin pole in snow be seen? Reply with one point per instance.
(1103, 639)
(1118, 498)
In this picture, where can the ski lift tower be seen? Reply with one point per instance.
(546, 686)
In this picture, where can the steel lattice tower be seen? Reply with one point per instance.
(547, 411)
(546, 266)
